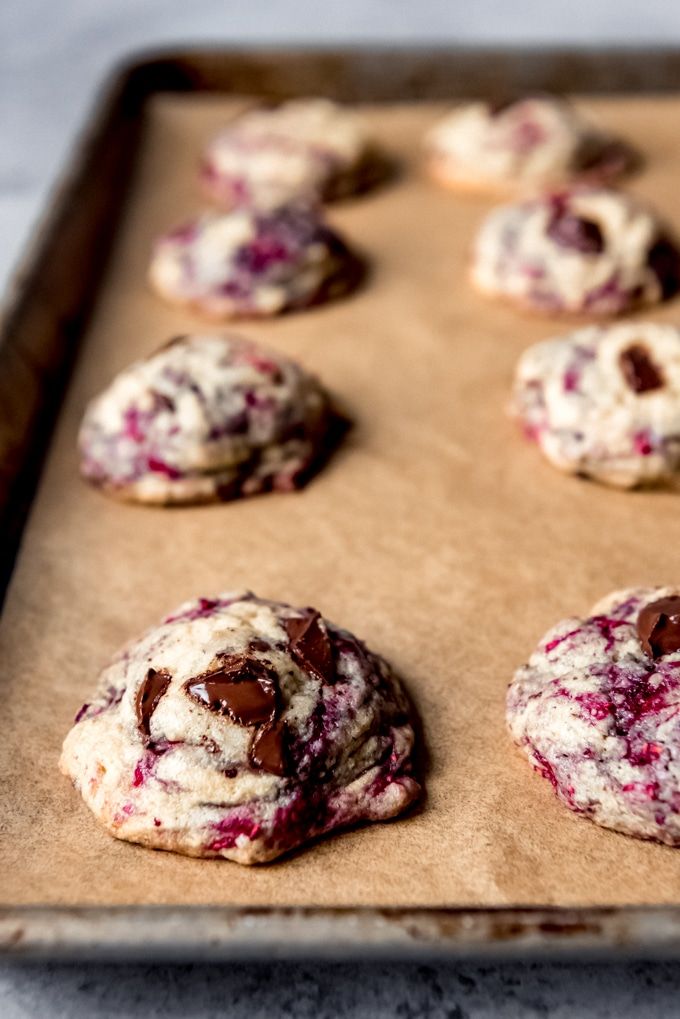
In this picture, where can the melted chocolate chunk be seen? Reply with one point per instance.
(639, 370)
(149, 694)
(242, 688)
(571, 231)
(268, 749)
(310, 645)
(658, 626)
(259, 644)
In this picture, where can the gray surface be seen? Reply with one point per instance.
(51, 56)
(325, 991)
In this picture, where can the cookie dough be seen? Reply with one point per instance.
(604, 402)
(589, 252)
(251, 264)
(205, 418)
(242, 728)
(597, 712)
(310, 149)
(524, 145)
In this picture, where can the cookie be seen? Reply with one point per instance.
(306, 149)
(242, 728)
(251, 264)
(528, 144)
(597, 712)
(205, 418)
(587, 252)
(604, 402)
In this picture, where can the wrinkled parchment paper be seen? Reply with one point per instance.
(436, 533)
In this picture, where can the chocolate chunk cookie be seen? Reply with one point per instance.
(242, 728)
(604, 402)
(305, 149)
(521, 145)
(587, 252)
(247, 264)
(597, 712)
(205, 418)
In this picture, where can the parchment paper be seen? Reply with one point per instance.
(436, 533)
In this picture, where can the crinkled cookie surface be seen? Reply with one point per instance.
(305, 149)
(253, 264)
(242, 728)
(527, 144)
(204, 418)
(604, 402)
(597, 711)
(588, 252)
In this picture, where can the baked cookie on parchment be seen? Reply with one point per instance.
(589, 252)
(597, 711)
(242, 728)
(305, 149)
(522, 145)
(604, 402)
(248, 264)
(205, 418)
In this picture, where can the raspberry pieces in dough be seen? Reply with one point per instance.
(604, 402)
(242, 728)
(597, 711)
(528, 144)
(589, 251)
(253, 264)
(306, 149)
(205, 418)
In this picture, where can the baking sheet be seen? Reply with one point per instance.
(435, 533)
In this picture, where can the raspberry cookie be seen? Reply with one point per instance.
(597, 711)
(252, 264)
(242, 728)
(589, 251)
(309, 149)
(202, 419)
(604, 402)
(527, 144)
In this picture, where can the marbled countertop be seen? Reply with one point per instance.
(51, 58)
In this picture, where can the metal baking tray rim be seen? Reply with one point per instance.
(219, 933)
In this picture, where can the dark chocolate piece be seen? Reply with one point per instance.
(570, 231)
(259, 644)
(639, 370)
(310, 645)
(658, 626)
(268, 749)
(242, 688)
(149, 694)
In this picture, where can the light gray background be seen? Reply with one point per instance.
(52, 55)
